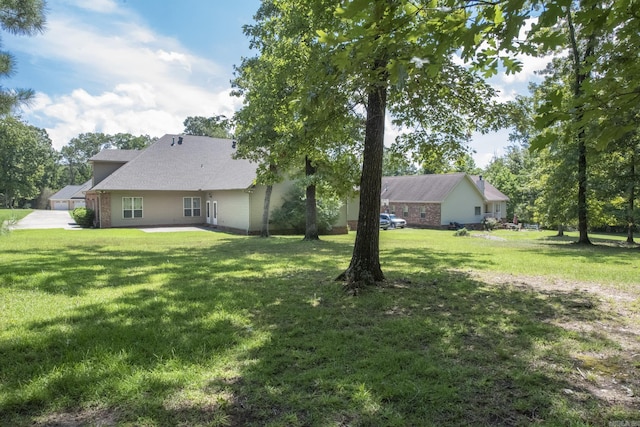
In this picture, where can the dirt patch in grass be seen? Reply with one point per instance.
(611, 374)
(87, 417)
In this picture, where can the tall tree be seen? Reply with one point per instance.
(394, 49)
(25, 17)
(295, 109)
(26, 154)
(602, 42)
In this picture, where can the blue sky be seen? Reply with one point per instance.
(143, 66)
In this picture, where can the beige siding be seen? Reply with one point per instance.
(158, 208)
(233, 209)
(257, 202)
(101, 170)
(460, 204)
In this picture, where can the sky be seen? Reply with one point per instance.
(144, 66)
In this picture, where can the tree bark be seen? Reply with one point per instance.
(583, 223)
(311, 230)
(560, 231)
(631, 198)
(264, 232)
(273, 172)
(364, 268)
(581, 74)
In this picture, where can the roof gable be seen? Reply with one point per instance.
(72, 192)
(196, 163)
(112, 155)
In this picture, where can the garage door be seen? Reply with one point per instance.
(60, 206)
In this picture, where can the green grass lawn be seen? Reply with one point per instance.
(120, 327)
(13, 214)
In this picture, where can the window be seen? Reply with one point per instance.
(498, 208)
(478, 211)
(405, 211)
(131, 207)
(423, 212)
(191, 206)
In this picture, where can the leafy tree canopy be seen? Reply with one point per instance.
(214, 127)
(26, 159)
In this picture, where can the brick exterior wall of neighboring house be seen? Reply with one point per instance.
(425, 215)
(105, 210)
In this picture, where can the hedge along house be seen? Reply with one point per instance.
(434, 201)
(182, 180)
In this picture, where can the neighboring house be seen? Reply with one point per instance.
(69, 198)
(437, 200)
(182, 180)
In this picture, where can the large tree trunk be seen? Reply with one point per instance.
(273, 172)
(365, 263)
(583, 224)
(264, 232)
(311, 230)
(631, 198)
(560, 231)
(581, 74)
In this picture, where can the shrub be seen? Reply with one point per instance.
(462, 232)
(83, 217)
(490, 224)
(292, 214)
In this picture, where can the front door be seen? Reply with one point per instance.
(209, 218)
(214, 213)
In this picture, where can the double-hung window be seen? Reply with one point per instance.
(131, 207)
(192, 206)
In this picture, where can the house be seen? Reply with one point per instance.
(182, 180)
(69, 198)
(435, 201)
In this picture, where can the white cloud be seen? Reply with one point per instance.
(101, 6)
(176, 57)
(130, 79)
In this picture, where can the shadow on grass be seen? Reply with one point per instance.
(255, 332)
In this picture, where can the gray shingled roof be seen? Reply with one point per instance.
(72, 192)
(430, 188)
(199, 163)
(119, 156)
(491, 193)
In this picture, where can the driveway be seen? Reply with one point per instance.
(62, 219)
(46, 219)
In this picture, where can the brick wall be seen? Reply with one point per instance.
(426, 215)
(105, 210)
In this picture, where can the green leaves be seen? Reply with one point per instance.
(25, 156)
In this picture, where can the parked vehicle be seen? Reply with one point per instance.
(394, 220)
(385, 223)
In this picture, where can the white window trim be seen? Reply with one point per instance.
(191, 208)
(133, 207)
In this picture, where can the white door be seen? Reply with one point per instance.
(209, 217)
(60, 205)
(214, 213)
